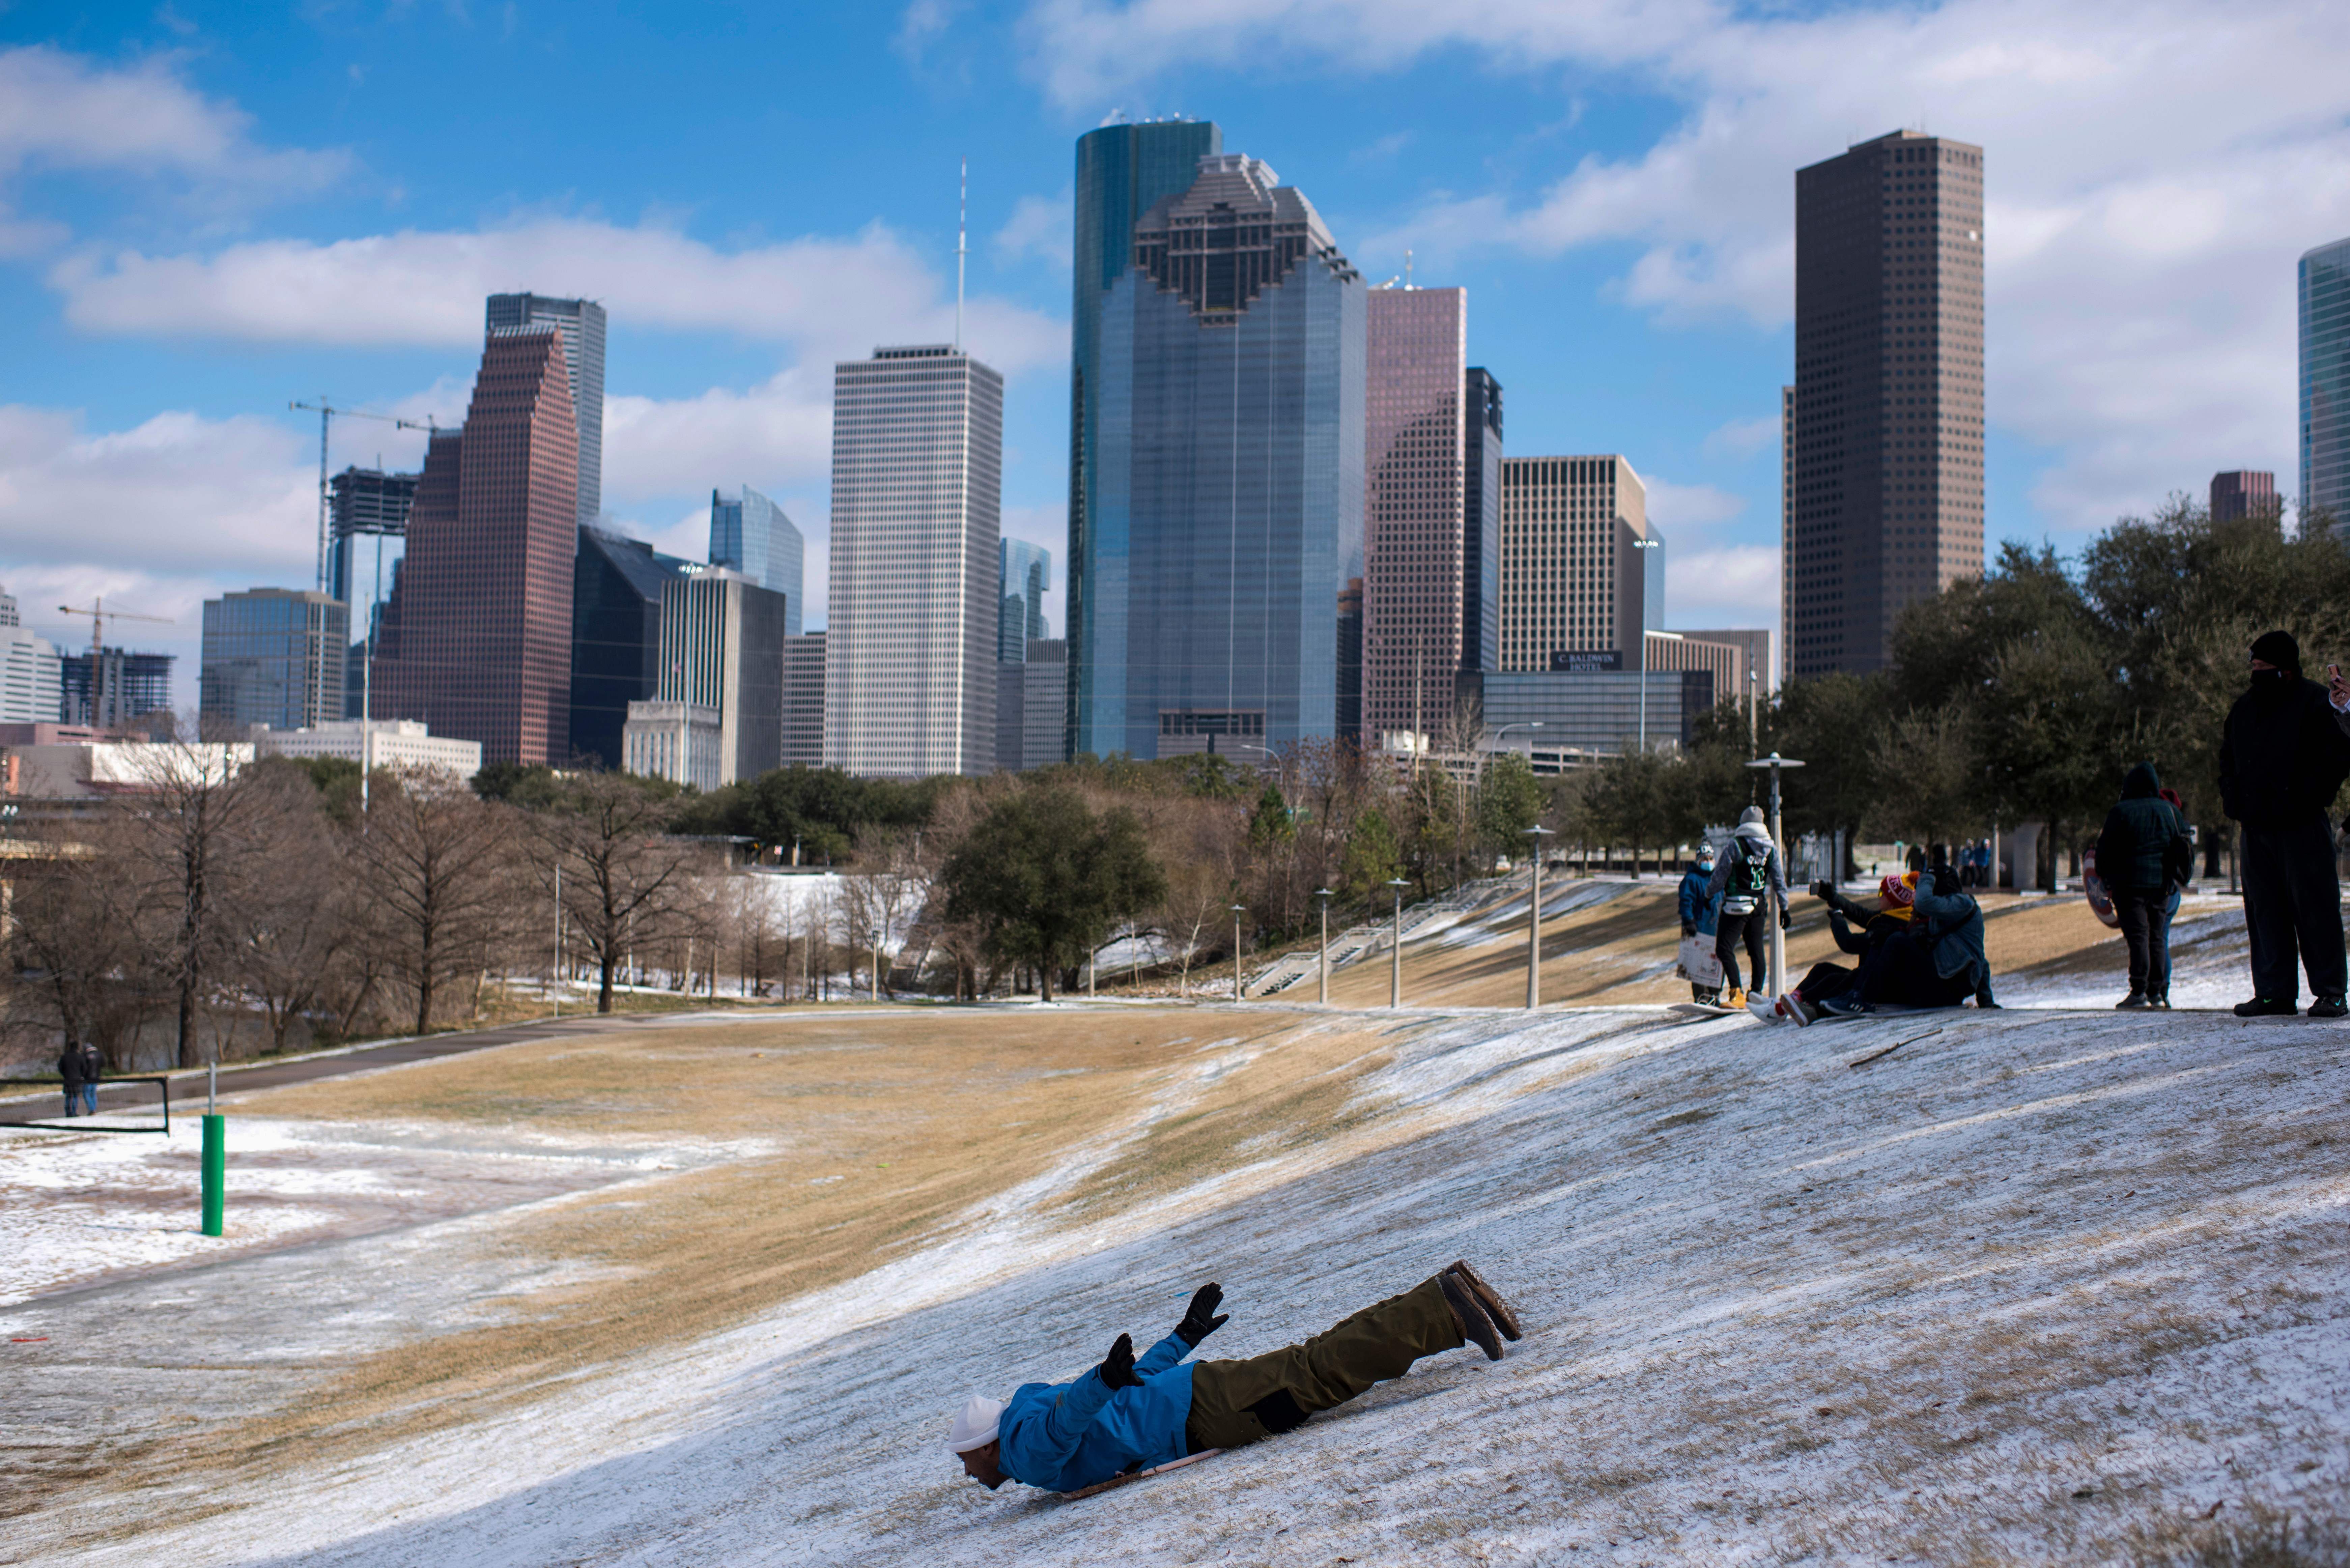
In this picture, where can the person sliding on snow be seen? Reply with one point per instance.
(1699, 911)
(1130, 1415)
(1749, 877)
(1896, 895)
(1937, 962)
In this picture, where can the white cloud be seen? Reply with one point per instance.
(59, 109)
(830, 298)
(775, 436)
(1040, 226)
(1681, 509)
(2152, 172)
(1742, 438)
(923, 24)
(1734, 587)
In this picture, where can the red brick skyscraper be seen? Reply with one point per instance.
(1414, 550)
(478, 636)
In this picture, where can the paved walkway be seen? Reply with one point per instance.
(188, 1088)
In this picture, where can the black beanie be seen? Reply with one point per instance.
(2279, 648)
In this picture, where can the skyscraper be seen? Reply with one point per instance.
(1415, 543)
(1028, 578)
(804, 701)
(916, 567)
(616, 620)
(1583, 577)
(1224, 488)
(2325, 383)
(1123, 170)
(32, 678)
(273, 656)
(722, 648)
(2244, 493)
(126, 685)
(1888, 472)
(476, 640)
(751, 534)
(581, 322)
(367, 503)
(1480, 518)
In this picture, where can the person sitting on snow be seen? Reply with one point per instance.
(1937, 962)
(1130, 1415)
(1896, 895)
(1699, 908)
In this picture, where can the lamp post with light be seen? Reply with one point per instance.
(1324, 895)
(1774, 761)
(1534, 836)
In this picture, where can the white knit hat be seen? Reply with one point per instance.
(975, 1423)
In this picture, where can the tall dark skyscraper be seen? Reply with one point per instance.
(1481, 509)
(478, 636)
(581, 322)
(1222, 482)
(1887, 481)
(1123, 170)
(2324, 295)
(1415, 551)
(616, 614)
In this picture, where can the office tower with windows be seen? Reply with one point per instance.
(616, 620)
(1786, 513)
(120, 686)
(32, 678)
(1224, 500)
(1028, 578)
(2244, 493)
(722, 652)
(2326, 384)
(1415, 487)
(1888, 469)
(476, 639)
(272, 657)
(750, 534)
(1583, 577)
(916, 563)
(804, 701)
(581, 322)
(1480, 524)
(1123, 170)
(369, 511)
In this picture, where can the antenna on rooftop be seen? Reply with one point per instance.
(1406, 270)
(962, 227)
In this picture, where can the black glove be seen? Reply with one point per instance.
(1117, 1367)
(1786, 921)
(1688, 931)
(1202, 1319)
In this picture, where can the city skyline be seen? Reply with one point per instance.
(155, 268)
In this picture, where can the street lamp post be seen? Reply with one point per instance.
(1534, 836)
(1324, 894)
(1395, 965)
(1774, 761)
(1238, 910)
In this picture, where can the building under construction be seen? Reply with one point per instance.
(127, 685)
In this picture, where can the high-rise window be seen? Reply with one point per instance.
(2326, 384)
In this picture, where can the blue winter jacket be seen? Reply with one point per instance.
(1700, 905)
(1061, 1436)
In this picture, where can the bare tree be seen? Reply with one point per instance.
(429, 857)
(879, 896)
(72, 938)
(621, 872)
(285, 897)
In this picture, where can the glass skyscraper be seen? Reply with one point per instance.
(2325, 383)
(581, 322)
(1223, 488)
(752, 536)
(1123, 170)
(273, 656)
(1027, 576)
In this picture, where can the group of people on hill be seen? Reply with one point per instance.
(2284, 756)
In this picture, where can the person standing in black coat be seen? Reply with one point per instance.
(2282, 758)
(2143, 852)
(93, 1068)
(69, 1069)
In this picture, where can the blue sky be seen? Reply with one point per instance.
(207, 209)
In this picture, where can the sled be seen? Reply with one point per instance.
(1694, 1009)
(1115, 1481)
(1700, 963)
(2100, 897)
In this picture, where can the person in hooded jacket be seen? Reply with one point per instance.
(2144, 856)
(2283, 754)
(1749, 879)
(1803, 1002)
(69, 1069)
(1128, 1414)
(1699, 911)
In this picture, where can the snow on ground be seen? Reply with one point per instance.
(2032, 1287)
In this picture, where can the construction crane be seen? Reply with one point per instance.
(326, 413)
(99, 616)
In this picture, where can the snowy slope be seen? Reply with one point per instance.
(2037, 1285)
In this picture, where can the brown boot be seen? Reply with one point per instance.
(1504, 1315)
(1475, 1326)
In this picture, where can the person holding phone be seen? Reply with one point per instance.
(2281, 765)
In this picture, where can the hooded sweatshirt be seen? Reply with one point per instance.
(1060, 1437)
(1748, 865)
(2143, 836)
(1698, 905)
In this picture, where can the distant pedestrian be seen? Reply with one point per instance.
(69, 1069)
(93, 1068)
(2283, 754)
(2142, 855)
(1749, 879)
(1701, 909)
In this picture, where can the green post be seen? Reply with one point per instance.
(216, 1172)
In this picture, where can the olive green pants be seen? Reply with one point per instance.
(1237, 1402)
